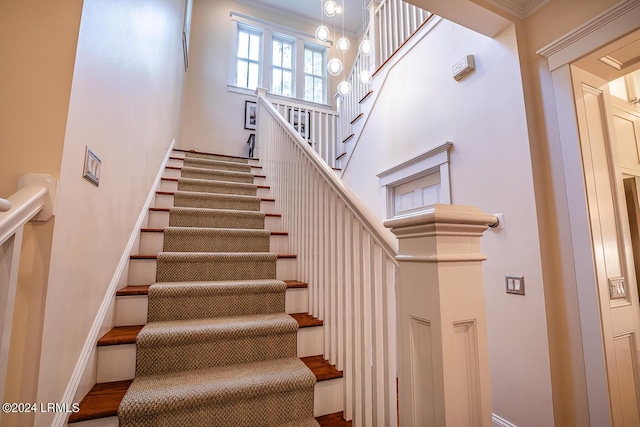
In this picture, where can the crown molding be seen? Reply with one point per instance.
(519, 8)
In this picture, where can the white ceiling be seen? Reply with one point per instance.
(311, 10)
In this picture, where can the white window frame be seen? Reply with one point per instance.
(270, 31)
(433, 161)
(282, 38)
(251, 31)
(318, 49)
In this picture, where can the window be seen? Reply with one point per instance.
(248, 58)
(314, 66)
(282, 68)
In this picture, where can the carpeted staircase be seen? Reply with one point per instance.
(218, 348)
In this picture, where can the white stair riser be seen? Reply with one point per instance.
(118, 362)
(166, 201)
(143, 271)
(327, 396)
(132, 310)
(151, 243)
(160, 219)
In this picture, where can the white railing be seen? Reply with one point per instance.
(34, 200)
(391, 24)
(347, 258)
(318, 126)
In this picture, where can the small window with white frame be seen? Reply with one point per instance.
(418, 183)
(282, 72)
(314, 73)
(248, 57)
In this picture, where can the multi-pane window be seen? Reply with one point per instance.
(248, 59)
(314, 75)
(282, 68)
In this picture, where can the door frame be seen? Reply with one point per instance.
(610, 25)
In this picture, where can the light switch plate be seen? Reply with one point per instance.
(514, 284)
(617, 288)
(92, 165)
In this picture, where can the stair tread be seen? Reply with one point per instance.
(220, 195)
(144, 289)
(333, 420)
(213, 154)
(104, 399)
(120, 335)
(235, 210)
(155, 256)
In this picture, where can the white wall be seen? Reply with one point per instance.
(214, 117)
(422, 106)
(125, 104)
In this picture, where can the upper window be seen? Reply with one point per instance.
(314, 75)
(248, 58)
(282, 67)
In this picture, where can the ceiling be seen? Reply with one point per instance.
(311, 10)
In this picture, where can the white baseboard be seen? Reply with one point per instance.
(501, 422)
(60, 420)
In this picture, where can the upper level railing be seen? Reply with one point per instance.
(34, 200)
(391, 24)
(317, 125)
(348, 259)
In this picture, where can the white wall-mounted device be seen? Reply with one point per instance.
(464, 67)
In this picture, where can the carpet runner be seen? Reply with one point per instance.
(218, 349)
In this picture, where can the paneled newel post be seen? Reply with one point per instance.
(443, 357)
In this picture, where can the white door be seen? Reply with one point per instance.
(612, 249)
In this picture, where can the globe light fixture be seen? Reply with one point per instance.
(334, 67)
(330, 8)
(344, 88)
(365, 77)
(343, 44)
(322, 33)
(366, 47)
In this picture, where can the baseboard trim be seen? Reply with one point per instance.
(501, 422)
(60, 419)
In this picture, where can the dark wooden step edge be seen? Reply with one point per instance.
(155, 256)
(349, 138)
(333, 420)
(144, 289)
(104, 399)
(182, 158)
(358, 117)
(364, 98)
(173, 193)
(341, 156)
(259, 186)
(214, 154)
(168, 209)
(119, 335)
(161, 230)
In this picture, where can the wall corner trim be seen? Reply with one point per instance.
(60, 419)
(498, 421)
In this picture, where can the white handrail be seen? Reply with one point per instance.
(348, 260)
(26, 203)
(5, 205)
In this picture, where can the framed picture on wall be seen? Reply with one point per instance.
(250, 115)
(301, 122)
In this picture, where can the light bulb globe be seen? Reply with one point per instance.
(343, 44)
(366, 47)
(330, 8)
(334, 67)
(365, 77)
(322, 33)
(344, 88)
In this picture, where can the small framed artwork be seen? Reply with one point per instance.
(250, 115)
(301, 122)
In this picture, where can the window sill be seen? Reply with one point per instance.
(251, 92)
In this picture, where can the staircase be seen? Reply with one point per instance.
(202, 333)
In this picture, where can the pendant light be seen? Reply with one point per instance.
(334, 67)
(330, 8)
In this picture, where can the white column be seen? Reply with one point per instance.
(443, 370)
(374, 30)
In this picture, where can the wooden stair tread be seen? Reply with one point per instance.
(120, 335)
(358, 117)
(364, 98)
(214, 154)
(155, 256)
(133, 290)
(144, 289)
(347, 139)
(276, 215)
(101, 401)
(333, 420)
(321, 368)
(104, 399)
(305, 320)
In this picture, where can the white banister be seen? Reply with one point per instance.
(34, 200)
(5, 205)
(444, 367)
(348, 260)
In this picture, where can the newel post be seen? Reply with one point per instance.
(442, 335)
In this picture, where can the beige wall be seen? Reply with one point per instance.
(125, 104)
(37, 45)
(214, 117)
